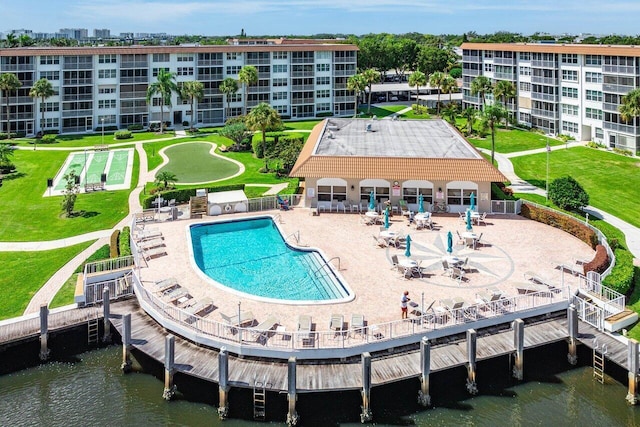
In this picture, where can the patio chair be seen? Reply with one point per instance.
(148, 244)
(380, 242)
(357, 324)
(200, 307)
(478, 241)
(175, 295)
(147, 234)
(304, 329)
(446, 268)
(404, 209)
(457, 273)
(482, 218)
(394, 261)
(246, 318)
(260, 332)
(340, 206)
(336, 323)
(155, 252)
(417, 269)
(460, 239)
(165, 285)
(465, 264)
(462, 217)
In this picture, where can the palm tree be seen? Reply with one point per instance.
(165, 178)
(435, 80)
(8, 83)
(192, 90)
(6, 151)
(449, 85)
(470, 114)
(449, 112)
(228, 87)
(261, 118)
(248, 76)
(41, 89)
(481, 85)
(12, 41)
(630, 107)
(164, 86)
(506, 90)
(370, 77)
(356, 84)
(417, 79)
(493, 114)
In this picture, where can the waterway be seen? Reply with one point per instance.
(90, 390)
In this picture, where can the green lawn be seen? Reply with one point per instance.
(611, 180)
(28, 216)
(302, 125)
(191, 162)
(412, 115)
(24, 273)
(93, 139)
(385, 111)
(514, 140)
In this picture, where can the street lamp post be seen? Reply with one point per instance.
(102, 120)
(547, 180)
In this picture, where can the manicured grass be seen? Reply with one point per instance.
(303, 125)
(412, 115)
(24, 273)
(513, 140)
(93, 139)
(28, 216)
(611, 180)
(385, 111)
(192, 162)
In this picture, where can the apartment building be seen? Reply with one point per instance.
(95, 85)
(562, 89)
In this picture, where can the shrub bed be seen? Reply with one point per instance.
(621, 277)
(48, 139)
(599, 263)
(113, 244)
(3, 135)
(124, 242)
(135, 126)
(123, 134)
(563, 222)
(182, 195)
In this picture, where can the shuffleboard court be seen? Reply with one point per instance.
(96, 168)
(118, 168)
(75, 163)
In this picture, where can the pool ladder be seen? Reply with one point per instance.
(598, 361)
(260, 399)
(326, 263)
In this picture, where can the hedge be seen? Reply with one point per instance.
(600, 261)
(101, 254)
(124, 242)
(113, 244)
(48, 139)
(621, 277)
(123, 134)
(3, 135)
(182, 195)
(135, 126)
(561, 221)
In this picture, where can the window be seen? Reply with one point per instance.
(569, 58)
(571, 110)
(185, 57)
(410, 194)
(458, 196)
(325, 54)
(185, 71)
(593, 113)
(593, 95)
(52, 122)
(280, 55)
(107, 74)
(282, 109)
(276, 96)
(279, 82)
(107, 90)
(161, 57)
(570, 127)
(323, 81)
(323, 68)
(109, 119)
(280, 68)
(325, 106)
(235, 97)
(49, 60)
(381, 193)
(107, 59)
(233, 69)
(106, 103)
(156, 71)
(50, 106)
(593, 60)
(591, 77)
(525, 86)
(327, 193)
(524, 56)
(232, 56)
(570, 92)
(599, 133)
(323, 94)
(570, 75)
(488, 68)
(488, 54)
(525, 71)
(50, 75)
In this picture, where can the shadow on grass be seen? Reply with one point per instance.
(85, 214)
(14, 175)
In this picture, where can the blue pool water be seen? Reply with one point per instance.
(251, 256)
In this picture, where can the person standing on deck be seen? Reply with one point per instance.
(403, 303)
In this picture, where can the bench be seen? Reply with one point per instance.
(93, 186)
(101, 147)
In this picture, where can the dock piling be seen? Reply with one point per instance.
(472, 387)
(518, 342)
(44, 332)
(572, 321)
(126, 343)
(106, 338)
(223, 383)
(424, 398)
(634, 365)
(292, 415)
(169, 364)
(366, 415)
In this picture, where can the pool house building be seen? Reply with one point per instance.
(344, 160)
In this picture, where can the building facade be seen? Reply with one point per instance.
(108, 85)
(574, 90)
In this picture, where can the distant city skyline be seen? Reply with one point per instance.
(307, 17)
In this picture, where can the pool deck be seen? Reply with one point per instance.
(514, 246)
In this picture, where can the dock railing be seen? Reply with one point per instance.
(612, 302)
(278, 342)
(109, 265)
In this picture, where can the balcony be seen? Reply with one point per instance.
(266, 61)
(264, 76)
(471, 99)
(209, 105)
(131, 95)
(470, 72)
(469, 58)
(543, 64)
(619, 69)
(339, 73)
(544, 113)
(78, 82)
(504, 76)
(77, 113)
(75, 66)
(298, 101)
(504, 61)
(344, 99)
(618, 127)
(610, 107)
(19, 100)
(22, 116)
(303, 60)
(544, 97)
(550, 81)
(303, 87)
(259, 89)
(619, 89)
(134, 64)
(135, 79)
(208, 62)
(344, 60)
(17, 67)
(133, 110)
(78, 97)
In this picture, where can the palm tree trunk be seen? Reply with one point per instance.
(438, 106)
(493, 143)
(244, 98)
(161, 116)
(8, 122)
(369, 103)
(192, 102)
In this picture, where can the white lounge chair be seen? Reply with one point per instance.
(246, 318)
(336, 323)
(201, 307)
(357, 324)
(165, 285)
(148, 244)
(154, 252)
(261, 331)
(304, 330)
(146, 234)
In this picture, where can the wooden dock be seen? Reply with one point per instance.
(334, 374)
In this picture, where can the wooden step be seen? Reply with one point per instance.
(622, 315)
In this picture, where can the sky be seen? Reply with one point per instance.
(308, 17)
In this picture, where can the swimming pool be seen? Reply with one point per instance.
(251, 256)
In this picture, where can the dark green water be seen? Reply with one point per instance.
(92, 391)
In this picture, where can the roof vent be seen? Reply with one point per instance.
(331, 135)
(368, 128)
